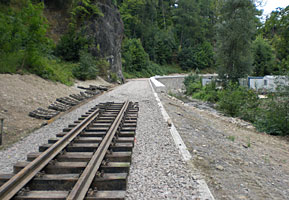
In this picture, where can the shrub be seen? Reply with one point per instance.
(210, 93)
(103, 67)
(113, 77)
(134, 55)
(193, 84)
(269, 115)
(234, 99)
(70, 46)
(250, 106)
(23, 41)
(10, 63)
(86, 68)
(273, 116)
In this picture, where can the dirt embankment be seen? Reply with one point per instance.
(21, 94)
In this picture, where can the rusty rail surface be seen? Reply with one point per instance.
(81, 187)
(9, 189)
(93, 121)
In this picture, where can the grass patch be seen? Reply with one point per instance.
(232, 138)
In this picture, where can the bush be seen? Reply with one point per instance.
(269, 115)
(23, 41)
(103, 67)
(87, 68)
(113, 77)
(209, 93)
(135, 58)
(234, 99)
(10, 63)
(273, 116)
(70, 46)
(250, 106)
(192, 83)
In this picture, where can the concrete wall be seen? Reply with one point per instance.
(172, 82)
(268, 83)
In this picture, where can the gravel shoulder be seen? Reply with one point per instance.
(236, 161)
(157, 171)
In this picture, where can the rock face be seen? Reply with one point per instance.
(107, 33)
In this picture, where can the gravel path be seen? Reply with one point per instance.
(238, 163)
(157, 170)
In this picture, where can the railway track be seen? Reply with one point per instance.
(88, 160)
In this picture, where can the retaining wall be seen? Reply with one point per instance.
(168, 83)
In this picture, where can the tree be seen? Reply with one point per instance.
(235, 32)
(187, 22)
(277, 31)
(131, 15)
(196, 57)
(136, 59)
(264, 57)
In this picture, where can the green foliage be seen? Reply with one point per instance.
(154, 69)
(208, 93)
(192, 83)
(235, 32)
(135, 58)
(113, 77)
(273, 117)
(276, 31)
(188, 23)
(84, 9)
(130, 12)
(25, 47)
(231, 137)
(269, 115)
(86, 68)
(23, 33)
(250, 105)
(194, 88)
(263, 57)
(197, 57)
(163, 27)
(164, 47)
(10, 63)
(103, 67)
(233, 98)
(70, 45)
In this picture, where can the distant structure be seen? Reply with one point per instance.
(267, 83)
(208, 78)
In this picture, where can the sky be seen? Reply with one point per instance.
(270, 5)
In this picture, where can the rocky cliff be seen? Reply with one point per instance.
(107, 33)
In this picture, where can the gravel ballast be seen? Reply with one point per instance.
(157, 170)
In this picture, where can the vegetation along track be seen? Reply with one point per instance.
(89, 160)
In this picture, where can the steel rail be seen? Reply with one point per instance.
(19, 180)
(83, 184)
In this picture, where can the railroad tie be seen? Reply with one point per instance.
(89, 159)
